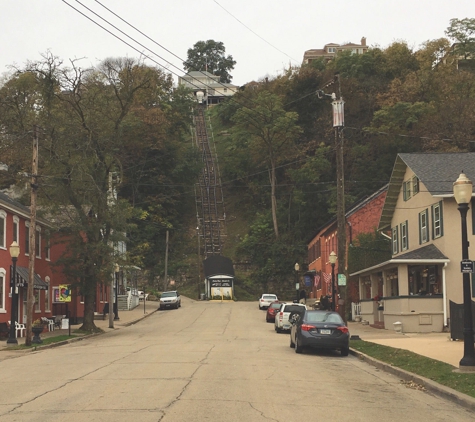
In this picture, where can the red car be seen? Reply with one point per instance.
(272, 311)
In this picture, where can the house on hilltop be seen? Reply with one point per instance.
(206, 87)
(329, 51)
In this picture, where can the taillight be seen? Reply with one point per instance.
(306, 327)
(343, 329)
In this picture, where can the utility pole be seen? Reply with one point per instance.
(165, 283)
(339, 124)
(30, 301)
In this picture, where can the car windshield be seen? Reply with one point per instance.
(270, 297)
(323, 317)
(294, 308)
(168, 294)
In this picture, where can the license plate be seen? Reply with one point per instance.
(325, 331)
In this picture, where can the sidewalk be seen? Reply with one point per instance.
(126, 318)
(437, 346)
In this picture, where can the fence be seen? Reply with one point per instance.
(355, 310)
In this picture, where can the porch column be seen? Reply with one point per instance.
(374, 284)
(360, 287)
(385, 284)
(403, 280)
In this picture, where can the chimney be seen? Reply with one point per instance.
(363, 41)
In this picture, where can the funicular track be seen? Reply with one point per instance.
(208, 191)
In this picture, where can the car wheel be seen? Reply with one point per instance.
(345, 351)
(279, 330)
(298, 347)
(292, 344)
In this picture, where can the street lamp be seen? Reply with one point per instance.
(332, 260)
(463, 195)
(116, 305)
(14, 252)
(297, 268)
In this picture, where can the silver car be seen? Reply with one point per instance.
(170, 299)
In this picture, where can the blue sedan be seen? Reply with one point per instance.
(320, 330)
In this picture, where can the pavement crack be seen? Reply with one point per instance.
(262, 413)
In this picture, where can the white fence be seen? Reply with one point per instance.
(355, 310)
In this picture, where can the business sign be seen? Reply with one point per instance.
(308, 280)
(64, 293)
(221, 283)
(341, 279)
(466, 266)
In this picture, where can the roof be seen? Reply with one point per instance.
(429, 254)
(39, 284)
(437, 171)
(19, 208)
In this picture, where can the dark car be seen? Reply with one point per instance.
(320, 330)
(272, 310)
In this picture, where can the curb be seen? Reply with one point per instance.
(462, 399)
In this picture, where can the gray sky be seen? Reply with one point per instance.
(263, 36)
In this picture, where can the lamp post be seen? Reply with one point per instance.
(14, 252)
(332, 260)
(297, 268)
(463, 196)
(116, 305)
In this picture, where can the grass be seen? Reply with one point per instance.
(437, 371)
(46, 341)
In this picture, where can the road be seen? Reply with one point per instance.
(205, 362)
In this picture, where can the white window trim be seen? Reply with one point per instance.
(424, 230)
(3, 215)
(404, 237)
(38, 239)
(3, 274)
(395, 240)
(16, 221)
(434, 208)
(27, 226)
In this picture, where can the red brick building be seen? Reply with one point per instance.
(363, 217)
(15, 226)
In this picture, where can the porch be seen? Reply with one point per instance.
(417, 314)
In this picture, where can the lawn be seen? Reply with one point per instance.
(437, 371)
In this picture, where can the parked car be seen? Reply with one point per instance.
(170, 299)
(266, 299)
(285, 311)
(272, 310)
(142, 295)
(320, 330)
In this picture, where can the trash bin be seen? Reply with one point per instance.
(202, 296)
(397, 326)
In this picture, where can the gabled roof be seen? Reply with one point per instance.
(437, 171)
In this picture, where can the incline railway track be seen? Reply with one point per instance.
(210, 210)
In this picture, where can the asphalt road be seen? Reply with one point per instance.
(206, 362)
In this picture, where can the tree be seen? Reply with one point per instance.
(210, 56)
(100, 127)
(270, 132)
(462, 32)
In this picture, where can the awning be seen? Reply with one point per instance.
(22, 274)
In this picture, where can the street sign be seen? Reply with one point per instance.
(466, 266)
(341, 279)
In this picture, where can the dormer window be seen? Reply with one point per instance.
(410, 188)
(331, 49)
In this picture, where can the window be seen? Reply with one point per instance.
(38, 242)
(437, 221)
(15, 227)
(3, 222)
(423, 227)
(404, 237)
(27, 238)
(37, 301)
(331, 49)
(47, 295)
(47, 247)
(2, 290)
(410, 188)
(395, 240)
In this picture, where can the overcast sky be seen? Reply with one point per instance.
(263, 36)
